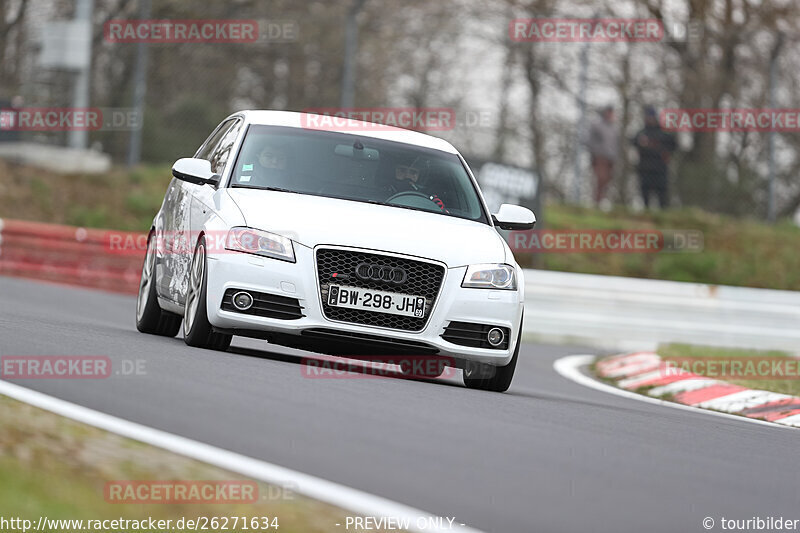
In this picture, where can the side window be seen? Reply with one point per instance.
(222, 151)
(207, 149)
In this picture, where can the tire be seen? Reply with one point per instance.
(491, 378)
(150, 318)
(197, 330)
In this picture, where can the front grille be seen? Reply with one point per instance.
(266, 305)
(423, 279)
(474, 335)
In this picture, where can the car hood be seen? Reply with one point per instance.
(314, 220)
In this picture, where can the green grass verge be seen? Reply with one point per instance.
(737, 251)
(121, 199)
(57, 468)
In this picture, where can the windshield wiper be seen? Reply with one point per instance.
(261, 188)
(422, 209)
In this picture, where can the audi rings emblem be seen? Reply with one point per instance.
(386, 274)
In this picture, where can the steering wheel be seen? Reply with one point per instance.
(414, 199)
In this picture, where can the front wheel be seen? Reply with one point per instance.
(150, 318)
(492, 378)
(197, 330)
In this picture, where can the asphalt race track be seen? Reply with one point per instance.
(550, 455)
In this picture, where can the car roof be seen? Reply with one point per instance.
(356, 127)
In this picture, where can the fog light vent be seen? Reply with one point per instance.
(495, 336)
(242, 301)
(477, 335)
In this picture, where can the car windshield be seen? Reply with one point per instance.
(358, 168)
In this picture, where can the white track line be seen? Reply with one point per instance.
(319, 489)
(569, 367)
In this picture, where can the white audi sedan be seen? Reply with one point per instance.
(359, 240)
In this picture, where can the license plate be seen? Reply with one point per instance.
(378, 301)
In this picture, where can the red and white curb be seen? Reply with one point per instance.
(646, 369)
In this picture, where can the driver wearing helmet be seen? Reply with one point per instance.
(406, 178)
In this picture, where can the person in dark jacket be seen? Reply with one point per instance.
(655, 147)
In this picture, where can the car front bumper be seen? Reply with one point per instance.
(232, 270)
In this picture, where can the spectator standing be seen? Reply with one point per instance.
(655, 147)
(602, 141)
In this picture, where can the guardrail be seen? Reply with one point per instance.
(72, 255)
(609, 311)
(619, 312)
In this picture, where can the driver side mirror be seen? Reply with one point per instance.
(197, 171)
(514, 217)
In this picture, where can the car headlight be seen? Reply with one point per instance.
(253, 241)
(497, 276)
